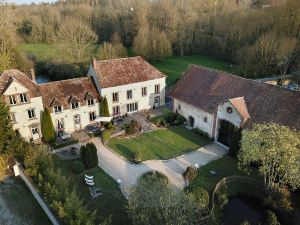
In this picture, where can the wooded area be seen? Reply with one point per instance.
(262, 40)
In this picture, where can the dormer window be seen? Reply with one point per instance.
(57, 109)
(91, 102)
(23, 98)
(75, 105)
(12, 100)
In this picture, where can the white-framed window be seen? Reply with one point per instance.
(59, 124)
(75, 105)
(129, 94)
(116, 110)
(115, 97)
(91, 102)
(34, 130)
(57, 109)
(13, 117)
(92, 116)
(144, 91)
(31, 113)
(12, 100)
(23, 98)
(157, 89)
(132, 107)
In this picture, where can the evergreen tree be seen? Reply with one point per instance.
(6, 132)
(104, 108)
(83, 153)
(47, 127)
(91, 158)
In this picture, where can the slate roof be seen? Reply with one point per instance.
(117, 72)
(207, 88)
(9, 76)
(68, 91)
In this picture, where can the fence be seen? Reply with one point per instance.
(28, 183)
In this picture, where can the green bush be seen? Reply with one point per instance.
(106, 136)
(190, 173)
(82, 153)
(173, 119)
(158, 121)
(154, 176)
(137, 156)
(272, 218)
(91, 157)
(133, 128)
(202, 198)
(110, 125)
(222, 199)
(77, 167)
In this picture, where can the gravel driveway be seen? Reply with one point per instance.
(119, 168)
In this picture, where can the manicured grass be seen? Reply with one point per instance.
(110, 204)
(159, 144)
(42, 52)
(224, 167)
(175, 66)
(21, 203)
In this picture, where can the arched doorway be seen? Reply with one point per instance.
(226, 132)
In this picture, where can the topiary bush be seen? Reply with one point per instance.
(190, 173)
(91, 157)
(202, 198)
(137, 157)
(154, 176)
(77, 167)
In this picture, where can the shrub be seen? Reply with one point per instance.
(271, 218)
(190, 173)
(279, 199)
(91, 157)
(77, 167)
(173, 119)
(106, 136)
(202, 197)
(154, 176)
(110, 125)
(82, 153)
(137, 156)
(158, 121)
(133, 128)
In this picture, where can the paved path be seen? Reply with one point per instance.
(119, 168)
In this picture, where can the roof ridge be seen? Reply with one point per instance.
(65, 80)
(122, 58)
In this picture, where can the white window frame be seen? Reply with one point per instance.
(12, 99)
(144, 91)
(31, 114)
(115, 97)
(116, 110)
(23, 98)
(74, 104)
(56, 109)
(132, 107)
(129, 94)
(157, 88)
(91, 102)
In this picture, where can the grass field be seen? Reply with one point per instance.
(159, 144)
(110, 204)
(42, 52)
(175, 66)
(224, 167)
(18, 206)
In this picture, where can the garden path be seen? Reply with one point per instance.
(119, 168)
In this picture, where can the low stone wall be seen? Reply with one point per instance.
(37, 196)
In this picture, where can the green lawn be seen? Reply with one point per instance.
(43, 52)
(110, 204)
(175, 66)
(159, 144)
(21, 203)
(224, 167)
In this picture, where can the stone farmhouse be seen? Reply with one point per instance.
(130, 85)
(217, 102)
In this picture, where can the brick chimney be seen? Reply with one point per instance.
(32, 73)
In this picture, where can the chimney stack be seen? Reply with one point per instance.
(93, 62)
(32, 73)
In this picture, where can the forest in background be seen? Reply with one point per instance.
(262, 37)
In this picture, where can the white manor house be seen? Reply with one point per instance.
(129, 84)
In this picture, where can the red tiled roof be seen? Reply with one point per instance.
(9, 75)
(207, 88)
(66, 91)
(117, 72)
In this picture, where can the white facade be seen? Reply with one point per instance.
(202, 120)
(29, 128)
(74, 119)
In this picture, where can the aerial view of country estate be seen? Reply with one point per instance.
(149, 112)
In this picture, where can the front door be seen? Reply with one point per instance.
(35, 133)
(156, 102)
(226, 131)
(191, 121)
(77, 122)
